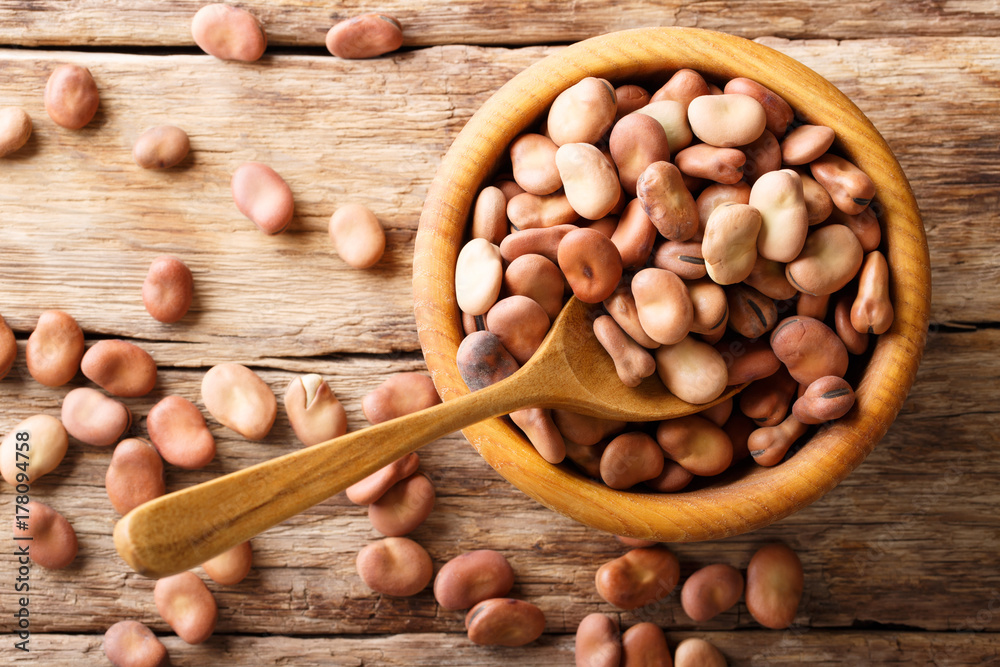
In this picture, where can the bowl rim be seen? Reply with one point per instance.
(762, 495)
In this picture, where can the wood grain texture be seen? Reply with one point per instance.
(305, 22)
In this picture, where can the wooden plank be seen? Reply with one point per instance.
(305, 22)
(906, 540)
(742, 649)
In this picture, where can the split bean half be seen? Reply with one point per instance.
(313, 410)
(239, 399)
(55, 348)
(179, 432)
(395, 566)
(132, 644)
(93, 418)
(774, 586)
(471, 577)
(365, 36)
(43, 439)
(228, 33)
(185, 603)
(120, 368)
(71, 97)
(135, 475)
(357, 236)
(15, 129)
(504, 622)
(53, 543)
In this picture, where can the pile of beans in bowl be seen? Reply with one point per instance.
(721, 242)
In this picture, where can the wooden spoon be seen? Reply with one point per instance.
(570, 370)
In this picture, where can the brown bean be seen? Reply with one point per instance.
(520, 324)
(483, 360)
(471, 577)
(872, 310)
(696, 652)
(400, 394)
(692, 370)
(584, 429)
(314, 411)
(667, 201)
(71, 97)
(93, 418)
(168, 289)
(45, 445)
(489, 217)
(766, 401)
(544, 242)
(683, 86)
(179, 432)
(774, 586)
(132, 644)
(395, 566)
(768, 278)
(582, 113)
(831, 256)
(851, 189)
(730, 243)
(784, 225)
(537, 278)
(630, 97)
(357, 236)
(120, 368)
(809, 349)
(51, 537)
(598, 642)
(634, 235)
(714, 196)
(365, 36)
(240, 400)
(15, 129)
(508, 186)
(231, 566)
(587, 458)
(403, 507)
(644, 645)
(826, 399)
(135, 475)
(638, 577)
(161, 147)
(632, 361)
(8, 348)
(763, 156)
(682, 257)
(769, 444)
(748, 361)
(864, 225)
(533, 161)
(591, 264)
(855, 341)
(711, 310)
(228, 33)
(719, 413)
(637, 141)
(374, 486)
(663, 305)
(811, 305)
(819, 204)
(721, 165)
(696, 443)
(263, 197)
(504, 622)
(751, 314)
(777, 111)
(621, 306)
(629, 459)
(541, 431)
(527, 211)
(674, 477)
(55, 348)
(806, 143)
(185, 603)
(710, 591)
(739, 427)
(727, 120)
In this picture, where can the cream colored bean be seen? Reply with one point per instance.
(831, 256)
(185, 603)
(541, 431)
(630, 98)
(584, 429)
(872, 310)
(682, 257)
(228, 33)
(598, 642)
(714, 196)
(504, 622)
(638, 577)
(161, 147)
(629, 459)
(135, 475)
(120, 368)
(489, 217)
(621, 306)
(855, 341)
(711, 310)
(710, 591)
(263, 197)
(826, 399)
(762, 156)
(721, 165)
(520, 323)
(766, 401)
(478, 276)
(533, 160)
(683, 86)
(633, 362)
(663, 305)
(777, 111)
(8, 348)
(809, 349)
(667, 201)
(582, 113)
(644, 645)
(774, 586)
(784, 218)
(403, 507)
(399, 395)
(811, 305)
(692, 370)
(819, 205)
(751, 314)
(589, 180)
(179, 432)
(637, 141)
(313, 410)
(696, 443)
(806, 143)
(537, 278)
(15, 129)
(42, 439)
(374, 486)
(357, 236)
(544, 242)
(240, 400)
(768, 278)
(132, 644)
(472, 577)
(93, 418)
(232, 566)
(727, 120)
(730, 244)
(864, 225)
(696, 652)
(395, 566)
(674, 477)
(672, 117)
(591, 263)
(769, 444)
(55, 348)
(71, 97)
(851, 189)
(168, 289)
(365, 36)
(528, 211)
(483, 360)
(51, 538)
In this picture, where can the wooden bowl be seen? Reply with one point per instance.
(759, 495)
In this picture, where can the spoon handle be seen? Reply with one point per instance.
(181, 530)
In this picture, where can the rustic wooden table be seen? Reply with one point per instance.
(901, 562)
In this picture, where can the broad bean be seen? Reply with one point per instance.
(672, 117)
(537, 278)
(55, 348)
(527, 211)
(632, 361)
(71, 97)
(769, 444)
(629, 459)
(15, 129)
(168, 289)
(313, 410)
(395, 566)
(400, 394)
(872, 310)
(47, 444)
(855, 341)
(598, 642)
(520, 323)
(161, 147)
(544, 242)
(710, 591)
(365, 36)
(674, 477)
(240, 400)
(52, 538)
(471, 577)
(683, 86)
(591, 264)
(374, 486)
(231, 566)
(727, 120)
(132, 644)
(766, 401)
(774, 586)
(826, 399)
(357, 236)
(582, 113)
(663, 305)
(711, 310)
(682, 257)
(809, 349)
(730, 244)
(533, 162)
(784, 218)
(696, 443)
(768, 278)
(644, 645)
(777, 112)
(120, 368)
(634, 235)
(692, 370)
(504, 622)
(589, 180)
(696, 652)
(185, 603)
(93, 418)
(263, 197)
(638, 577)
(751, 314)
(850, 188)
(179, 432)
(489, 217)
(713, 163)
(228, 33)
(637, 141)
(831, 256)
(667, 201)
(134, 476)
(478, 276)
(402, 508)
(806, 143)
